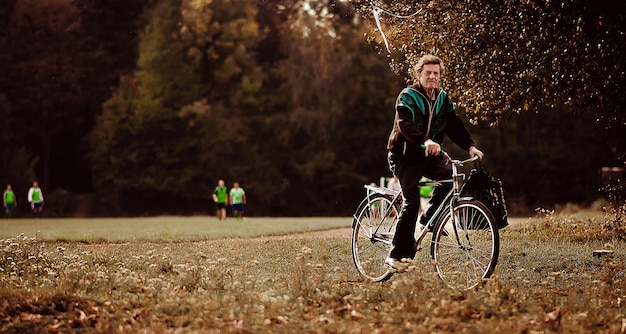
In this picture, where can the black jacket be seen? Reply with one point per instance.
(413, 123)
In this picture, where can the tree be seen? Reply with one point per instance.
(227, 123)
(332, 127)
(42, 78)
(286, 97)
(109, 36)
(530, 49)
(271, 121)
(534, 58)
(17, 164)
(63, 57)
(108, 145)
(545, 160)
(145, 159)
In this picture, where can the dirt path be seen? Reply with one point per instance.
(343, 232)
(346, 232)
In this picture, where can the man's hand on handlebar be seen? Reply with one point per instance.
(432, 147)
(473, 151)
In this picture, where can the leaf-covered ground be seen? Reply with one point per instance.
(547, 280)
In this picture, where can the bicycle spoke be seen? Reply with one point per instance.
(369, 225)
(385, 241)
(372, 246)
(481, 257)
(384, 218)
(364, 230)
(469, 254)
(451, 244)
(479, 266)
(373, 229)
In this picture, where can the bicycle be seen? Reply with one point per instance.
(465, 241)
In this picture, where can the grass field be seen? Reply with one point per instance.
(546, 281)
(166, 228)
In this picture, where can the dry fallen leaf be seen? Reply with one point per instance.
(356, 315)
(80, 318)
(31, 317)
(553, 316)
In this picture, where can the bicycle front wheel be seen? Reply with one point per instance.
(466, 245)
(373, 227)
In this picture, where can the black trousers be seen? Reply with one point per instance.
(409, 173)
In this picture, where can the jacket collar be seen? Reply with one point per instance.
(418, 88)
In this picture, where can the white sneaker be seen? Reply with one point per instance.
(397, 265)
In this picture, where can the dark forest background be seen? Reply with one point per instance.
(132, 107)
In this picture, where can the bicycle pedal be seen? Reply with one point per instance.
(418, 247)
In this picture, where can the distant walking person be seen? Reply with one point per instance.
(35, 198)
(10, 201)
(394, 184)
(374, 207)
(220, 197)
(237, 200)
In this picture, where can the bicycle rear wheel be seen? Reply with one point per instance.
(466, 245)
(373, 227)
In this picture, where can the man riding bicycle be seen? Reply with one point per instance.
(424, 113)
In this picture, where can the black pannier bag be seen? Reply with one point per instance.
(484, 187)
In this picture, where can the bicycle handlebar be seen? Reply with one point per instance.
(449, 158)
(444, 153)
(474, 158)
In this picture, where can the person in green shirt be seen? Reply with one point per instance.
(35, 198)
(426, 193)
(374, 207)
(10, 202)
(220, 197)
(237, 200)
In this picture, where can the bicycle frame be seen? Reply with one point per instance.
(451, 197)
(396, 195)
(447, 203)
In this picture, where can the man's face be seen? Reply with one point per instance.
(429, 77)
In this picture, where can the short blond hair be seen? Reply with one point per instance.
(428, 60)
